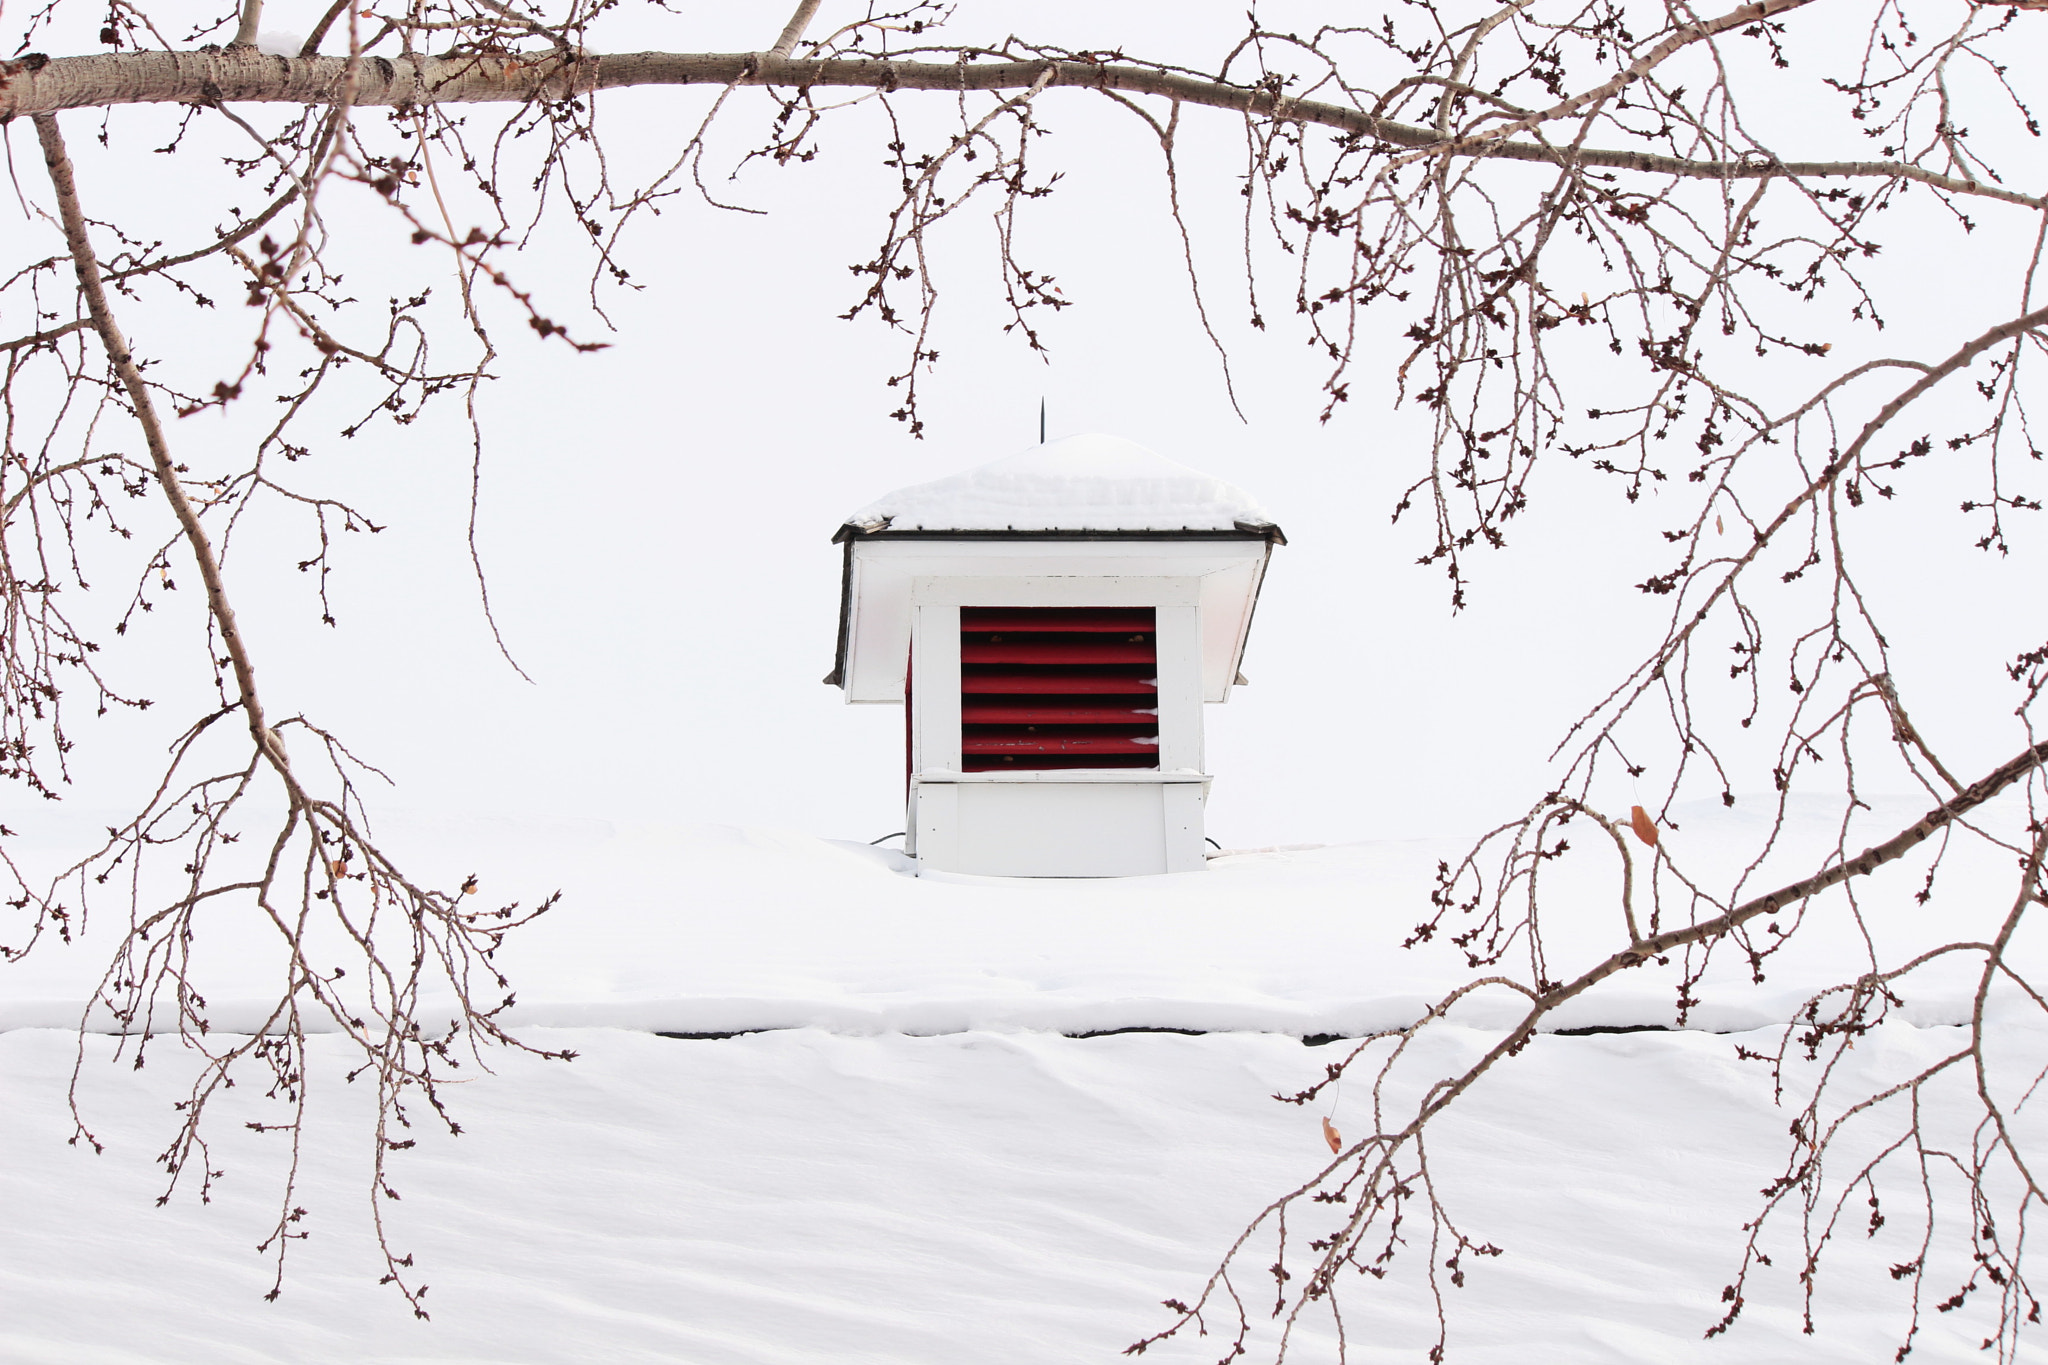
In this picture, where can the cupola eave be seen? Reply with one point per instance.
(1116, 505)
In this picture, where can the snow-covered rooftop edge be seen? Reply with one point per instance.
(1089, 482)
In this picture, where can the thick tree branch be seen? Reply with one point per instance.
(252, 18)
(793, 31)
(312, 43)
(1862, 865)
(36, 85)
(1445, 1092)
(118, 354)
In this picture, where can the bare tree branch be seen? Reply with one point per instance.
(32, 85)
(793, 31)
(252, 19)
(144, 403)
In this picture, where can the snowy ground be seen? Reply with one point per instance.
(801, 1197)
(695, 929)
(915, 1166)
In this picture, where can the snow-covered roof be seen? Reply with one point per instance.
(1077, 483)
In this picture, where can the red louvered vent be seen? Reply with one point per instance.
(1058, 687)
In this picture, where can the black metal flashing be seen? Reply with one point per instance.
(837, 677)
(1243, 530)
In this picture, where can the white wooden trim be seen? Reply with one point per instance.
(935, 683)
(1179, 636)
(1183, 828)
(1056, 590)
(936, 826)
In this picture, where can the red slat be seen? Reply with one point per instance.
(1044, 714)
(1056, 744)
(1041, 762)
(1055, 684)
(1046, 652)
(1026, 713)
(1076, 619)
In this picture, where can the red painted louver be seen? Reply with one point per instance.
(1058, 687)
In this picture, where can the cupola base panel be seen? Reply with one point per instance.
(1072, 823)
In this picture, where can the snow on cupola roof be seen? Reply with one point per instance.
(1090, 482)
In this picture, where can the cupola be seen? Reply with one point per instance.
(1053, 622)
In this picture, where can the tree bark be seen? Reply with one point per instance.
(793, 31)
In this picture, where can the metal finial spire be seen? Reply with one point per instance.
(1041, 421)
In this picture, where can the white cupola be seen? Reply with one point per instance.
(1053, 622)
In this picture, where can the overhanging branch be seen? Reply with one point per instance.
(38, 85)
(102, 321)
(1706, 931)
